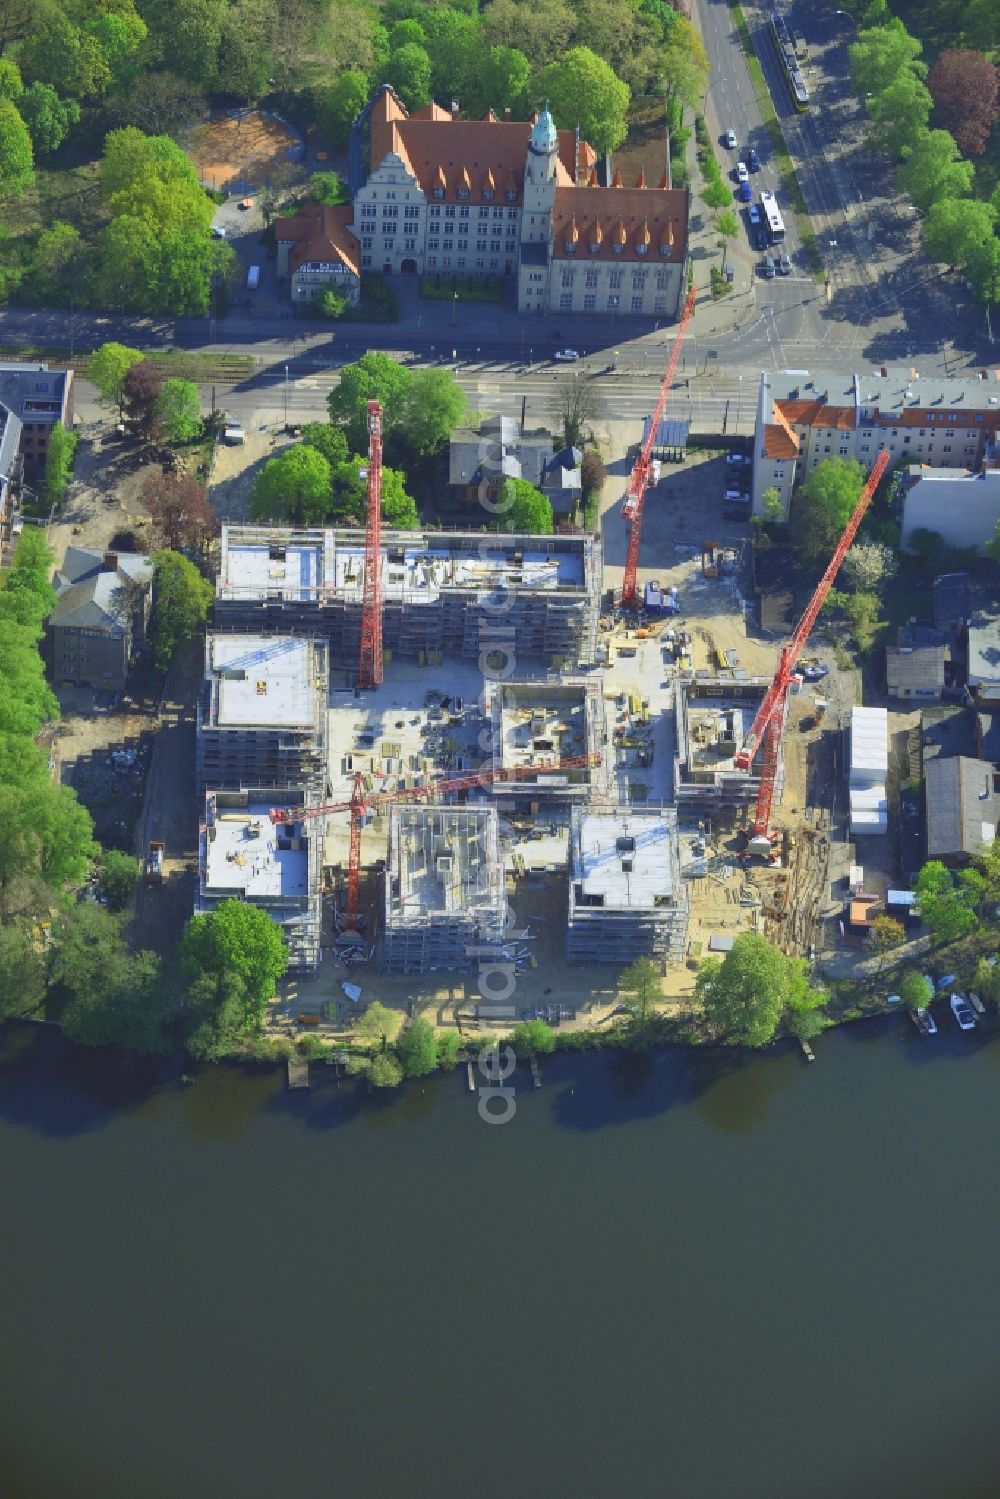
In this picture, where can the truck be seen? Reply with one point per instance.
(253, 278)
(154, 863)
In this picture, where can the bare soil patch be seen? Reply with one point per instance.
(244, 150)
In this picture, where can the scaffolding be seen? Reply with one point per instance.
(537, 723)
(453, 593)
(444, 888)
(712, 716)
(262, 715)
(242, 855)
(627, 899)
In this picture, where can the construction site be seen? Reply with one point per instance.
(519, 767)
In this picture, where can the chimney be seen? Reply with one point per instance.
(506, 113)
(110, 562)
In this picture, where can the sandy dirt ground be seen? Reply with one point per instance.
(235, 467)
(246, 148)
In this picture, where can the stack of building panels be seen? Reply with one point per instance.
(869, 768)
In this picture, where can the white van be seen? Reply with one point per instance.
(253, 278)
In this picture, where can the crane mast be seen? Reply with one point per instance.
(635, 494)
(370, 663)
(362, 801)
(769, 719)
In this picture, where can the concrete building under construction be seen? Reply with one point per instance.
(537, 724)
(242, 855)
(627, 898)
(463, 594)
(444, 888)
(262, 716)
(713, 716)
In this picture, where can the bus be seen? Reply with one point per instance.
(773, 221)
(785, 46)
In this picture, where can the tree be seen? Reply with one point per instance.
(745, 996)
(182, 599)
(344, 102)
(867, 565)
(592, 473)
(805, 1025)
(884, 935)
(331, 304)
(217, 1015)
(56, 264)
(417, 1049)
(531, 1037)
(294, 488)
(541, 29)
(582, 90)
(575, 406)
(66, 57)
(384, 1071)
(374, 377)
(378, 1025)
(404, 32)
(883, 54)
(350, 496)
(684, 64)
(178, 410)
(131, 1006)
(982, 267)
(897, 113)
(236, 939)
(521, 507)
(948, 907)
(49, 119)
(716, 194)
(142, 387)
(158, 104)
(189, 33)
(17, 162)
(822, 506)
(22, 968)
(771, 503)
(500, 81)
(915, 989)
(245, 48)
(326, 439)
(434, 405)
(326, 187)
(964, 86)
(11, 82)
(409, 72)
(107, 368)
(932, 168)
(956, 227)
(59, 463)
(727, 227)
(119, 876)
(448, 1047)
(181, 515)
(641, 989)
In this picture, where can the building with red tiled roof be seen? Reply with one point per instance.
(316, 249)
(518, 199)
(940, 422)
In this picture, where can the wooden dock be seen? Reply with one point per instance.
(298, 1072)
(807, 1051)
(471, 1076)
(536, 1071)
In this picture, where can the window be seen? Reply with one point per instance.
(617, 249)
(463, 212)
(435, 213)
(449, 243)
(409, 244)
(432, 260)
(366, 244)
(589, 303)
(661, 280)
(449, 212)
(591, 278)
(595, 248)
(481, 246)
(906, 439)
(390, 211)
(566, 301)
(864, 447)
(511, 195)
(639, 279)
(615, 280)
(570, 247)
(567, 277)
(512, 212)
(487, 195)
(366, 261)
(947, 447)
(411, 212)
(641, 249)
(498, 213)
(637, 304)
(463, 244)
(463, 192)
(368, 211)
(827, 448)
(480, 264)
(432, 244)
(660, 305)
(510, 246)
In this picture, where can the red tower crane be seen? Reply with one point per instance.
(635, 494)
(370, 663)
(770, 717)
(361, 801)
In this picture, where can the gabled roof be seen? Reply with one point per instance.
(779, 439)
(320, 233)
(97, 597)
(620, 216)
(962, 806)
(916, 668)
(817, 413)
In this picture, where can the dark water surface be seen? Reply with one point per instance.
(700, 1277)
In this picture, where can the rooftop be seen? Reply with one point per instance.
(624, 860)
(962, 806)
(984, 646)
(443, 860)
(95, 589)
(246, 855)
(262, 680)
(33, 392)
(537, 724)
(321, 233)
(914, 668)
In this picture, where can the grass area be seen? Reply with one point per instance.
(462, 288)
(786, 168)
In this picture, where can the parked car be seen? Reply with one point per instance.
(963, 1012)
(744, 192)
(753, 160)
(742, 175)
(737, 458)
(565, 356)
(784, 264)
(767, 268)
(815, 671)
(729, 140)
(218, 232)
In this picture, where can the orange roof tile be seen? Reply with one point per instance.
(630, 212)
(320, 232)
(664, 183)
(815, 414)
(592, 179)
(588, 156)
(443, 151)
(616, 180)
(779, 442)
(640, 181)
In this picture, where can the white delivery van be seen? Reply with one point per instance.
(253, 278)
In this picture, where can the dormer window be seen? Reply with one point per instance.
(664, 249)
(487, 195)
(570, 247)
(595, 248)
(463, 192)
(439, 192)
(511, 195)
(641, 249)
(617, 249)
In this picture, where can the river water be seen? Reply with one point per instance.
(696, 1275)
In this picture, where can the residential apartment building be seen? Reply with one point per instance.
(517, 199)
(99, 621)
(39, 398)
(801, 421)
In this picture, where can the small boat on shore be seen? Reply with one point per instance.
(924, 1021)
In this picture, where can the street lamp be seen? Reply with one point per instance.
(286, 397)
(739, 404)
